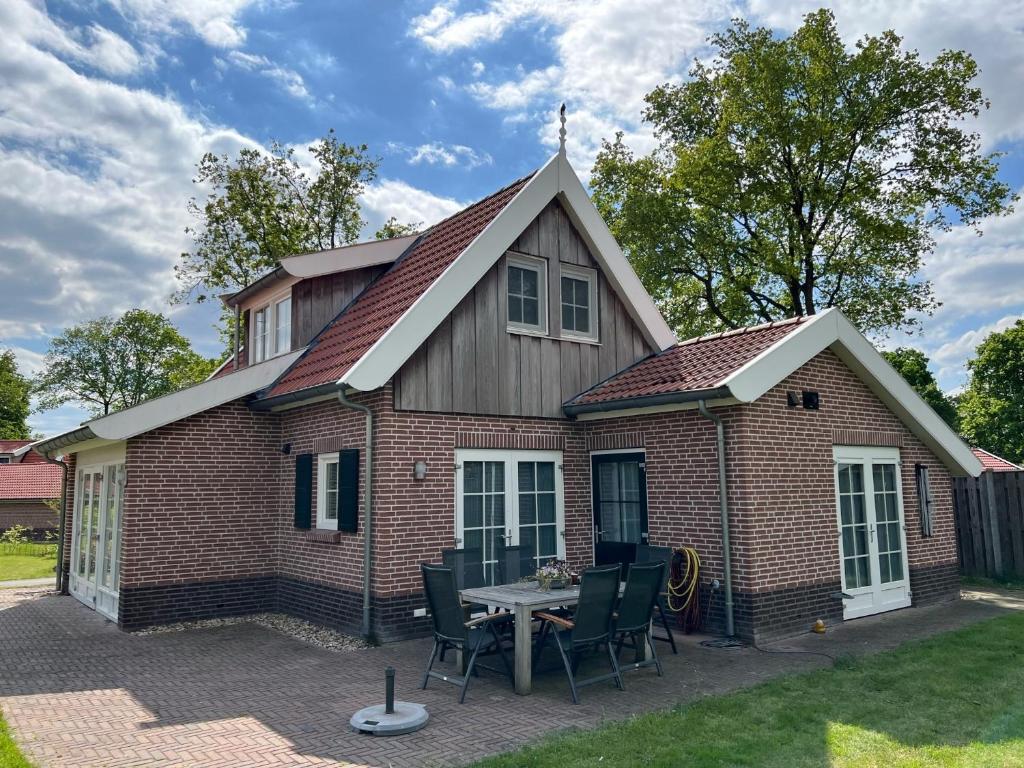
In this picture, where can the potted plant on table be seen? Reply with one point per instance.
(555, 574)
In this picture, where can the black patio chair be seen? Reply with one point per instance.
(452, 629)
(514, 563)
(636, 609)
(589, 628)
(468, 566)
(648, 554)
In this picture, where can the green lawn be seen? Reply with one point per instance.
(10, 755)
(954, 700)
(27, 561)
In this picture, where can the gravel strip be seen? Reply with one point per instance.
(315, 634)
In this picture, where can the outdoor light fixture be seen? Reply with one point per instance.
(419, 470)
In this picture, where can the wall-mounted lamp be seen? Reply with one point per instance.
(419, 470)
(286, 448)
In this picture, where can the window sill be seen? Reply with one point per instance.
(326, 537)
(527, 331)
(581, 339)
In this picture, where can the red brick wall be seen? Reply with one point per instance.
(200, 500)
(782, 477)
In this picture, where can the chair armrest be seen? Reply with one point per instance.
(562, 622)
(488, 617)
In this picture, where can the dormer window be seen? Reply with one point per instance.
(272, 328)
(578, 300)
(527, 294)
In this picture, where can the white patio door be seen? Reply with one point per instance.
(872, 533)
(96, 538)
(514, 496)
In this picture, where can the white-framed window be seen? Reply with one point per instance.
(283, 325)
(527, 293)
(510, 498)
(578, 292)
(327, 491)
(272, 328)
(260, 335)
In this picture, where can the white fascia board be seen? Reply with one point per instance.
(832, 330)
(406, 335)
(892, 389)
(190, 401)
(347, 257)
(771, 366)
(616, 267)
(556, 178)
(654, 409)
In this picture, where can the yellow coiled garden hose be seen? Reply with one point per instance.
(683, 587)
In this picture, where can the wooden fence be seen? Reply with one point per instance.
(990, 524)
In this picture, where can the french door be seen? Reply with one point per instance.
(509, 498)
(619, 486)
(872, 532)
(96, 537)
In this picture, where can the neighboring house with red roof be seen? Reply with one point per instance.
(989, 461)
(29, 487)
(503, 379)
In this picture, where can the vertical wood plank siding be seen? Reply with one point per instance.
(990, 524)
(471, 364)
(318, 300)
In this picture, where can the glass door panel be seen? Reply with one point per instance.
(483, 511)
(620, 506)
(887, 523)
(538, 519)
(854, 526)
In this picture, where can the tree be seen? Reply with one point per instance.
(794, 175)
(913, 366)
(109, 364)
(392, 228)
(14, 405)
(262, 206)
(992, 407)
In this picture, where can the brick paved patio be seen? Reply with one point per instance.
(79, 692)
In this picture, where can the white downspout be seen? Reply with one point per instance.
(367, 504)
(723, 503)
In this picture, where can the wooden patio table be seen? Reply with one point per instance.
(522, 598)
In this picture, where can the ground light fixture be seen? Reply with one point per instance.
(392, 718)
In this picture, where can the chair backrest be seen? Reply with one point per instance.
(443, 599)
(599, 589)
(514, 563)
(644, 583)
(468, 565)
(648, 554)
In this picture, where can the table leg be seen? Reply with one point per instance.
(524, 650)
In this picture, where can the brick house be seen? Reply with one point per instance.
(29, 488)
(505, 375)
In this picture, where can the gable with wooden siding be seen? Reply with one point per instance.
(473, 364)
(318, 300)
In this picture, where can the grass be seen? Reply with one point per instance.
(952, 700)
(10, 755)
(986, 583)
(27, 561)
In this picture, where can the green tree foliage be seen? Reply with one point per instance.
(992, 407)
(793, 175)
(262, 206)
(913, 366)
(109, 364)
(392, 228)
(14, 393)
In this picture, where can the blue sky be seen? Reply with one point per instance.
(106, 107)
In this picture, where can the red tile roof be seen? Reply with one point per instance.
(993, 462)
(349, 336)
(697, 364)
(29, 481)
(10, 446)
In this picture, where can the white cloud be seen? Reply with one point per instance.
(214, 21)
(288, 79)
(391, 197)
(607, 55)
(438, 153)
(950, 358)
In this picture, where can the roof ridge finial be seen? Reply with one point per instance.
(561, 130)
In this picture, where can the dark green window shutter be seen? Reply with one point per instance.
(303, 490)
(348, 490)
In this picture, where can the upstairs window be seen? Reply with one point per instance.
(579, 301)
(260, 335)
(272, 329)
(527, 294)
